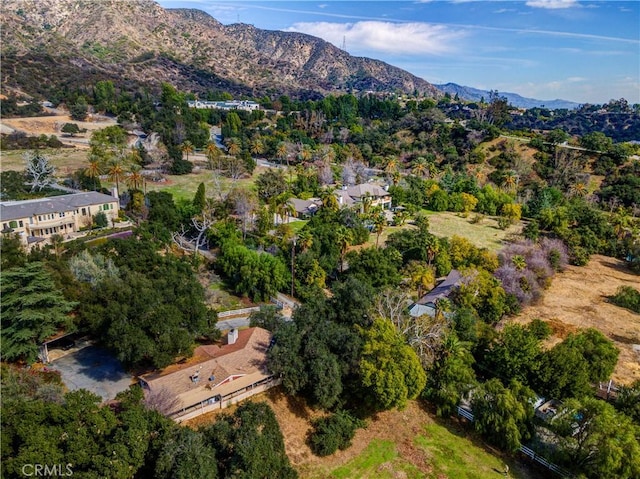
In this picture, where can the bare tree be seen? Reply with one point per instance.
(325, 174)
(244, 204)
(39, 171)
(348, 174)
(392, 304)
(235, 167)
(201, 224)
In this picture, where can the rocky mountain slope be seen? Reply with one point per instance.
(71, 43)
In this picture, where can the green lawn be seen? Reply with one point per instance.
(380, 460)
(484, 234)
(458, 457)
(446, 455)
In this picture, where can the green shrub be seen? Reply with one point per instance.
(627, 297)
(100, 220)
(333, 432)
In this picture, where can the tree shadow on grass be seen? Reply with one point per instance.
(295, 404)
(460, 427)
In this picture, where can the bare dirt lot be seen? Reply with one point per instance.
(51, 125)
(577, 299)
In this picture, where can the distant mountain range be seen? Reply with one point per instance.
(474, 94)
(48, 45)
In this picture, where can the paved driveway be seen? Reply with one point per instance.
(94, 369)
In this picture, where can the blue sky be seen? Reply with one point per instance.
(576, 50)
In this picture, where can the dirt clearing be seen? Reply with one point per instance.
(577, 299)
(51, 125)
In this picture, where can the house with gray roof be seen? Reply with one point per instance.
(35, 221)
(428, 303)
(356, 195)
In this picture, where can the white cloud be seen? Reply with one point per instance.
(552, 4)
(386, 37)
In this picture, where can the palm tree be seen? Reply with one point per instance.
(420, 167)
(578, 189)
(400, 217)
(327, 154)
(304, 153)
(116, 173)
(432, 246)
(257, 147)
(134, 179)
(233, 146)
(395, 178)
(366, 201)
(391, 164)
(329, 200)
(305, 239)
(510, 180)
(443, 306)
(282, 152)
(213, 154)
(421, 276)
(93, 171)
(379, 221)
(135, 156)
(186, 147)
(282, 206)
(343, 238)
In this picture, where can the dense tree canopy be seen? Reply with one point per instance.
(33, 309)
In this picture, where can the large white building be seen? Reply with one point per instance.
(245, 105)
(35, 221)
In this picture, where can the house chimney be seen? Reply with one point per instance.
(114, 192)
(232, 336)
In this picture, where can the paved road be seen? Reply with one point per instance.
(562, 145)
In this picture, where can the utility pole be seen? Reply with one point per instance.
(293, 262)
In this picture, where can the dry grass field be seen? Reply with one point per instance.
(395, 444)
(51, 125)
(577, 299)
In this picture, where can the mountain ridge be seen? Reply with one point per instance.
(475, 94)
(143, 43)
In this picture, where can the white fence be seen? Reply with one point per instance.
(238, 312)
(525, 450)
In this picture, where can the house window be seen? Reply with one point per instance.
(61, 215)
(105, 207)
(84, 212)
(13, 224)
(21, 224)
(31, 220)
(39, 218)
